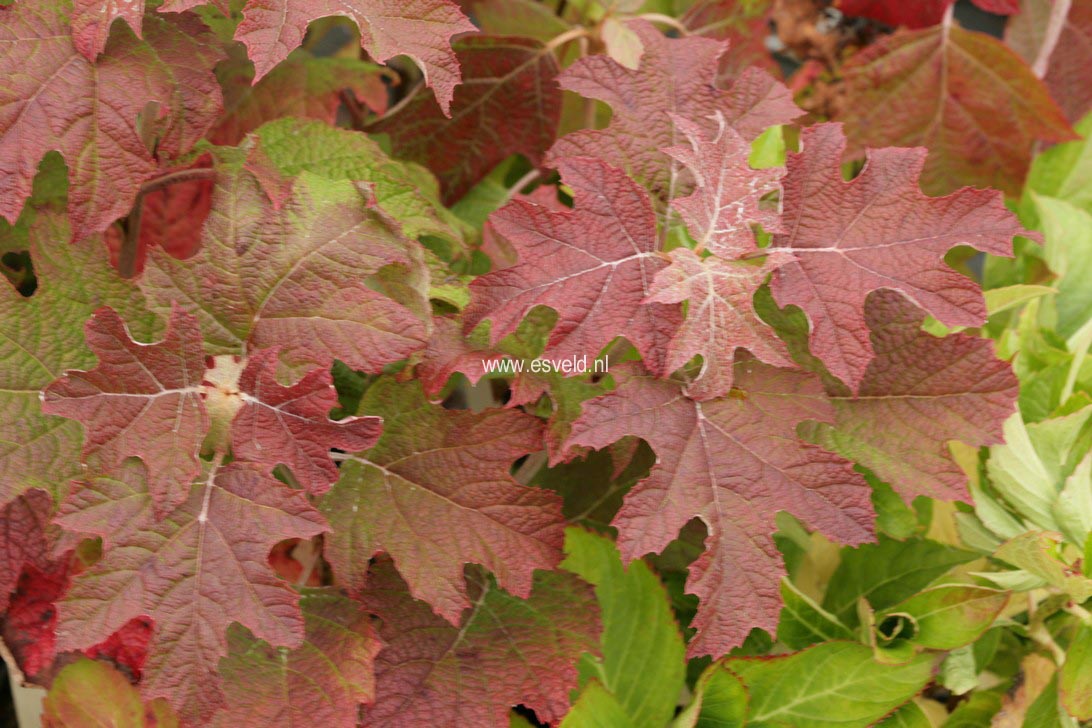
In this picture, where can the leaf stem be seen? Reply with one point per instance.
(665, 20)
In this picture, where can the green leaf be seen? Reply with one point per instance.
(947, 617)
(959, 671)
(804, 623)
(887, 572)
(908, 716)
(643, 664)
(1067, 230)
(597, 708)
(1064, 171)
(837, 684)
(1028, 470)
(1002, 299)
(720, 701)
(1076, 676)
(1035, 553)
(976, 712)
(404, 190)
(90, 693)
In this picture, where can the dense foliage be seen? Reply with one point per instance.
(525, 362)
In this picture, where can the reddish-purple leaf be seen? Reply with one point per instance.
(966, 97)
(23, 538)
(141, 400)
(725, 202)
(745, 25)
(720, 317)
(448, 352)
(918, 394)
(507, 651)
(420, 29)
(91, 21)
(320, 683)
(291, 425)
(301, 86)
(593, 265)
(97, 115)
(914, 14)
(1066, 65)
(436, 494)
(326, 276)
(876, 231)
(194, 572)
(676, 76)
(733, 462)
(508, 103)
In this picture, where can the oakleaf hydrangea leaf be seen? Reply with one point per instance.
(91, 21)
(919, 393)
(877, 231)
(966, 97)
(302, 277)
(291, 425)
(593, 265)
(420, 29)
(321, 682)
(41, 337)
(506, 651)
(734, 462)
(508, 103)
(720, 317)
(88, 692)
(435, 493)
(725, 202)
(676, 75)
(96, 115)
(23, 538)
(141, 400)
(194, 572)
(1067, 66)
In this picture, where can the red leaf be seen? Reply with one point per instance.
(141, 400)
(90, 112)
(593, 265)
(733, 462)
(420, 29)
(1066, 67)
(302, 86)
(29, 627)
(326, 276)
(509, 103)
(320, 683)
(720, 318)
(172, 219)
(725, 203)
(448, 352)
(194, 572)
(291, 425)
(91, 21)
(876, 231)
(970, 100)
(914, 14)
(675, 76)
(23, 540)
(435, 493)
(127, 648)
(999, 7)
(508, 651)
(919, 393)
(744, 24)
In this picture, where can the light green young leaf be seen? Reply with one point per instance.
(1028, 469)
(643, 664)
(976, 712)
(959, 671)
(91, 693)
(406, 191)
(1067, 230)
(720, 701)
(1064, 171)
(597, 708)
(804, 623)
(950, 616)
(1002, 299)
(1034, 552)
(833, 685)
(768, 150)
(1073, 508)
(1075, 685)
